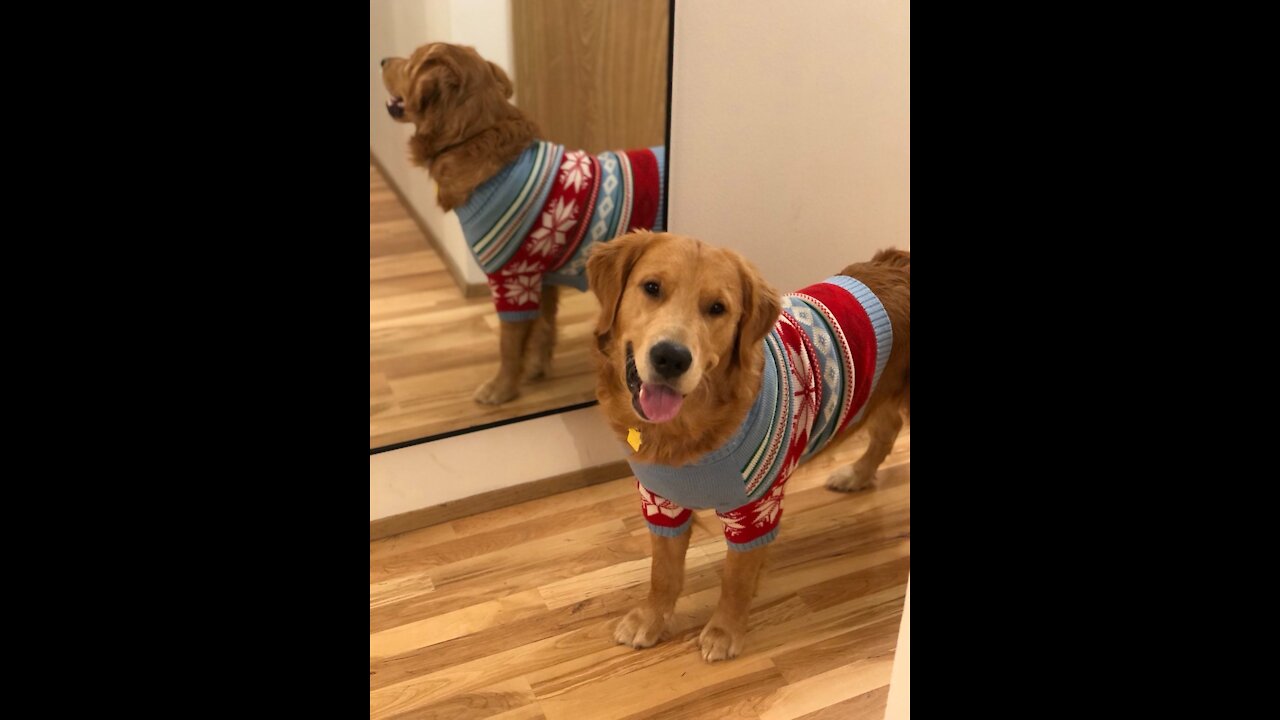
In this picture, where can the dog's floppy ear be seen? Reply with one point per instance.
(760, 309)
(503, 81)
(608, 266)
(433, 83)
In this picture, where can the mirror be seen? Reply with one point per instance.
(477, 233)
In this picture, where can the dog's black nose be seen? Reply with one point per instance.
(384, 62)
(670, 359)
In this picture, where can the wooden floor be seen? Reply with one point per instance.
(430, 347)
(508, 614)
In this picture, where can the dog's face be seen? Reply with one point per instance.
(676, 316)
(443, 89)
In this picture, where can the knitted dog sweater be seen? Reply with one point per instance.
(534, 221)
(822, 360)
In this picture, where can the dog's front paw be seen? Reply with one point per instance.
(641, 628)
(851, 478)
(495, 392)
(720, 642)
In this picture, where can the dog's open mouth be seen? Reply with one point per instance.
(395, 107)
(654, 402)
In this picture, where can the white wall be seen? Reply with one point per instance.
(396, 28)
(790, 131)
(898, 706)
(437, 472)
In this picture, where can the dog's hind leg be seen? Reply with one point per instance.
(505, 385)
(542, 339)
(883, 423)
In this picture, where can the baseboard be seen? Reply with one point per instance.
(494, 499)
(471, 290)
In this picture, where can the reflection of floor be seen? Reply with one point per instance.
(429, 347)
(509, 613)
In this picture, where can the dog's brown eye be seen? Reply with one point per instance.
(652, 288)
(716, 308)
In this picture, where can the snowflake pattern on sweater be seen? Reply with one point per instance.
(532, 223)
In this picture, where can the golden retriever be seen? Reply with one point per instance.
(467, 133)
(681, 351)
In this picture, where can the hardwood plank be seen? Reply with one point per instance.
(485, 578)
(413, 539)
(575, 663)
(631, 694)
(614, 661)
(734, 698)
(447, 626)
(401, 587)
(499, 638)
(422, 691)
(820, 691)
(627, 574)
(510, 613)
(532, 711)
(867, 706)
(380, 397)
(778, 625)
(487, 702)
(870, 641)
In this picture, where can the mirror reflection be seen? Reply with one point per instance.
(505, 139)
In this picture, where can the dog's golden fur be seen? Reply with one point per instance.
(465, 131)
(694, 275)
(465, 128)
(719, 387)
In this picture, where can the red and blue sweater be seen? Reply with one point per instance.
(534, 221)
(822, 360)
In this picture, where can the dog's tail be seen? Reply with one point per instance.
(893, 257)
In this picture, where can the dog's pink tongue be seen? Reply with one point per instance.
(659, 402)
